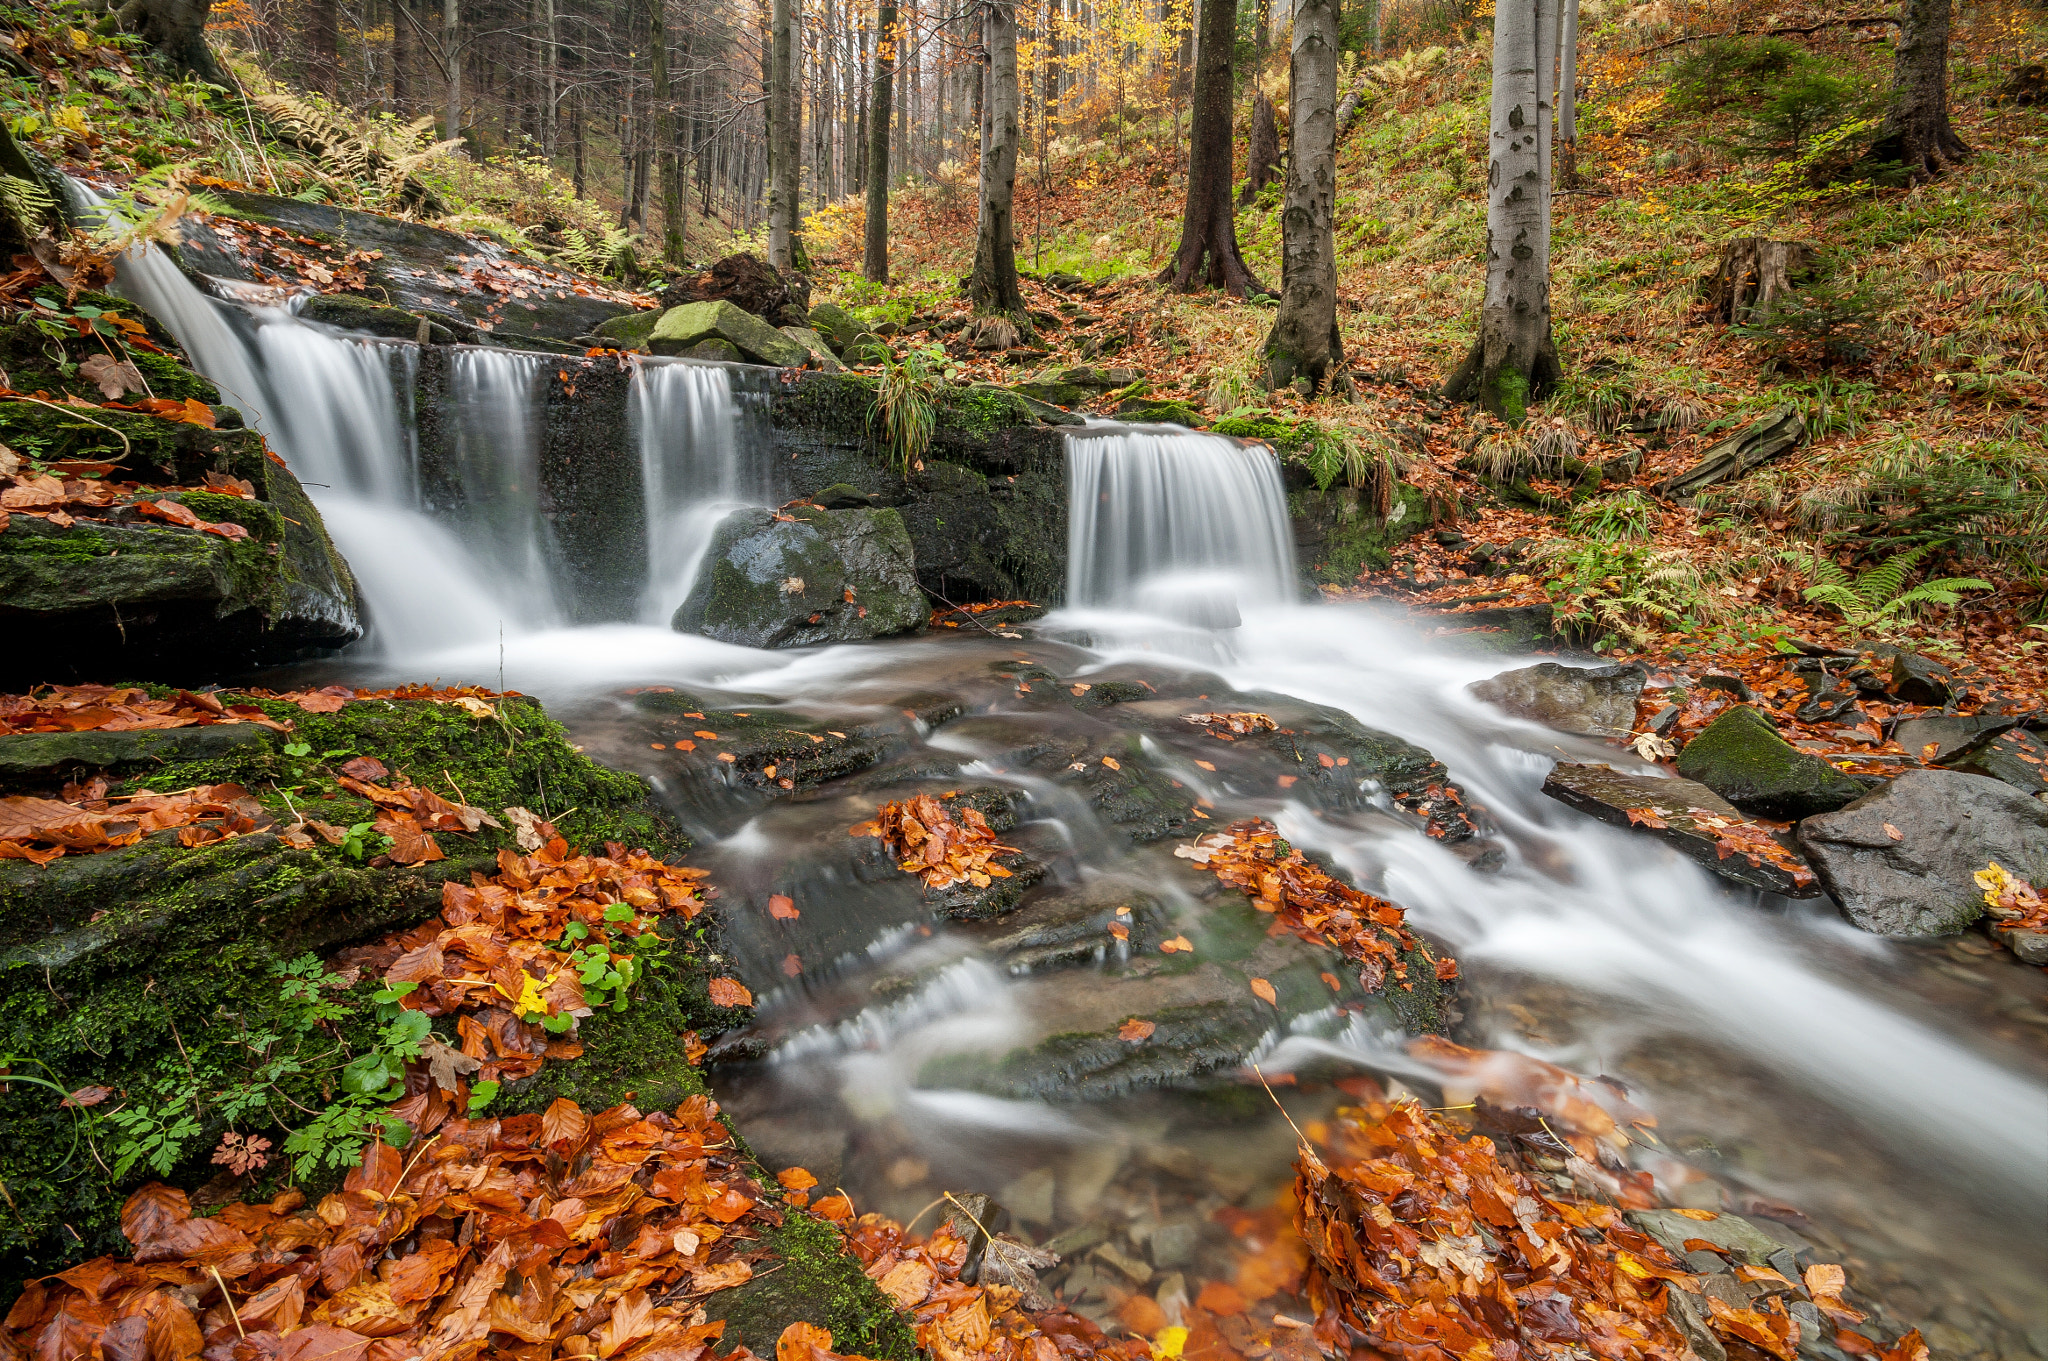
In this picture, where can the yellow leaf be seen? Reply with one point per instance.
(1167, 1343)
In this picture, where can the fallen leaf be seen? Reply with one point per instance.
(782, 908)
(1135, 1030)
(1264, 992)
(729, 992)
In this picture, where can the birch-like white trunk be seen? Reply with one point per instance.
(1304, 342)
(1514, 360)
(1568, 75)
(993, 283)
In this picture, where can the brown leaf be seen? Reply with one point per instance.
(86, 1096)
(366, 768)
(782, 908)
(1264, 992)
(1135, 1030)
(730, 992)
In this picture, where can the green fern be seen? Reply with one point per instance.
(1877, 597)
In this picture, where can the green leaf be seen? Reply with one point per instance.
(298, 749)
(482, 1095)
(618, 912)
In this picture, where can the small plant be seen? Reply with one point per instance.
(1826, 323)
(364, 841)
(1873, 600)
(1628, 516)
(903, 405)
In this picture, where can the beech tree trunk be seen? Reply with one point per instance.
(993, 283)
(672, 243)
(323, 45)
(1208, 252)
(451, 60)
(1304, 341)
(783, 161)
(1262, 155)
(875, 253)
(177, 29)
(1514, 360)
(1917, 132)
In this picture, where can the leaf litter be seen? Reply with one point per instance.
(926, 840)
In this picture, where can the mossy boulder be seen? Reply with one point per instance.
(40, 351)
(821, 576)
(629, 332)
(821, 355)
(1151, 411)
(835, 323)
(154, 969)
(1339, 533)
(693, 322)
(1741, 757)
(352, 313)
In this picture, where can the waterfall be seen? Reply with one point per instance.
(686, 424)
(487, 480)
(1176, 523)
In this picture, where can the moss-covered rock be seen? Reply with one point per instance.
(1151, 411)
(1338, 533)
(819, 576)
(814, 1281)
(352, 313)
(681, 327)
(40, 349)
(835, 323)
(1741, 757)
(629, 332)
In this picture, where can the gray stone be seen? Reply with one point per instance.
(1949, 825)
(1750, 1241)
(2030, 946)
(1921, 680)
(716, 350)
(631, 331)
(351, 313)
(1951, 737)
(821, 353)
(1692, 1317)
(1741, 757)
(2018, 758)
(1030, 1196)
(1682, 806)
(25, 755)
(817, 576)
(1173, 1245)
(835, 323)
(1596, 701)
(684, 326)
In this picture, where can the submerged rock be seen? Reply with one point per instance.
(1687, 810)
(350, 313)
(1595, 701)
(814, 576)
(687, 325)
(1899, 861)
(1741, 757)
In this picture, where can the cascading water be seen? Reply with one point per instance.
(1175, 523)
(488, 484)
(1800, 1060)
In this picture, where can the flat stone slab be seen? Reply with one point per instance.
(31, 754)
(1683, 808)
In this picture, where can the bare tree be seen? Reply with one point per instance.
(1917, 132)
(1208, 250)
(1262, 150)
(784, 110)
(1514, 360)
(451, 65)
(1304, 341)
(875, 253)
(993, 282)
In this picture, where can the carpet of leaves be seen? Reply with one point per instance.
(86, 821)
(1425, 1245)
(560, 1234)
(928, 841)
(1303, 898)
(115, 708)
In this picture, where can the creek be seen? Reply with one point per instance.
(1895, 1095)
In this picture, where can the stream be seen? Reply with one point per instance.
(1889, 1100)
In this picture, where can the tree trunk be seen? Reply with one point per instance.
(1262, 156)
(323, 45)
(1208, 235)
(177, 29)
(451, 60)
(1568, 93)
(401, 58)
(993, 284)
(673, 245)
(1304, 342)
(783, 161)
(1916, 132)
(1514, 360)
(875, 255)
(550, 130)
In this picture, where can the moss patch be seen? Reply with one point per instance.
(813, 1281)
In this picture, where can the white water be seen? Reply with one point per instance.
(1173, 523)
(1192, 528)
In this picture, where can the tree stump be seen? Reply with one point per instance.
(1752, 274)
(1262, 156)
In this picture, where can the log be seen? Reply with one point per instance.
(1753, 272)
(1732, 457)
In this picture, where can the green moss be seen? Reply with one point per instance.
(1288, 436)
(1341, 535)
(980, 412)
(260, 520)
(75, 545)
(813, 1281)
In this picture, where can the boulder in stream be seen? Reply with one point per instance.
(1597, 701)
(1900, 860)
(1683, 814)
(687, 325)
(1741, 757)
(810, 576)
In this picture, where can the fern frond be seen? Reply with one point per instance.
(26, 202)
(1887, 580)
(1834, 594)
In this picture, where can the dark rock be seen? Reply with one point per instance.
(716, 350)
(691, 323)
(749, 283)
(842, 496)
(1951, 738)
(1727, 685)
(1338, 533)
(412, 266)
(822, 577)
(821, 353)
(1682, 805)
(2018, 758)
(973, 1218)
(1509, 628)
(1595, 701)
(1661, 721)
(1921, 680)
(1949, 825)
(1741, 757)
(1828, 706)
(1752, 1242)
(350, 313)
(1068, 928)
(2030, 946)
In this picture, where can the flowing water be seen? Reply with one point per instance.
(1896, 1095)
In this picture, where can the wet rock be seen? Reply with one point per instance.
(821, 353)
(1829, 706)
(350, 313)
(2030, 946)
(1692, 1318)
(1741, 757)
(688, 325)
(974, 1218)
(1173, 1245)
(1030, 1197)
(1727, 685)
(1921, 680)
(835, 324)
(1066, 928)
(1596, 701)
(816, 576)
(1754, 1242)
(1682, 805)
(1950, 737)
(1505, 628)
(2018, 758)
(806, 752)
(1918, 882)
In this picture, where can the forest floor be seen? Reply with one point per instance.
(1922, 394)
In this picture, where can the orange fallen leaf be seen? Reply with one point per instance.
(1135, 1030)
(1110, 761)
(1264, 992)
(1206, 765)
(1179, 943)
(792, 965)
(729, 992)
(782, 908)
